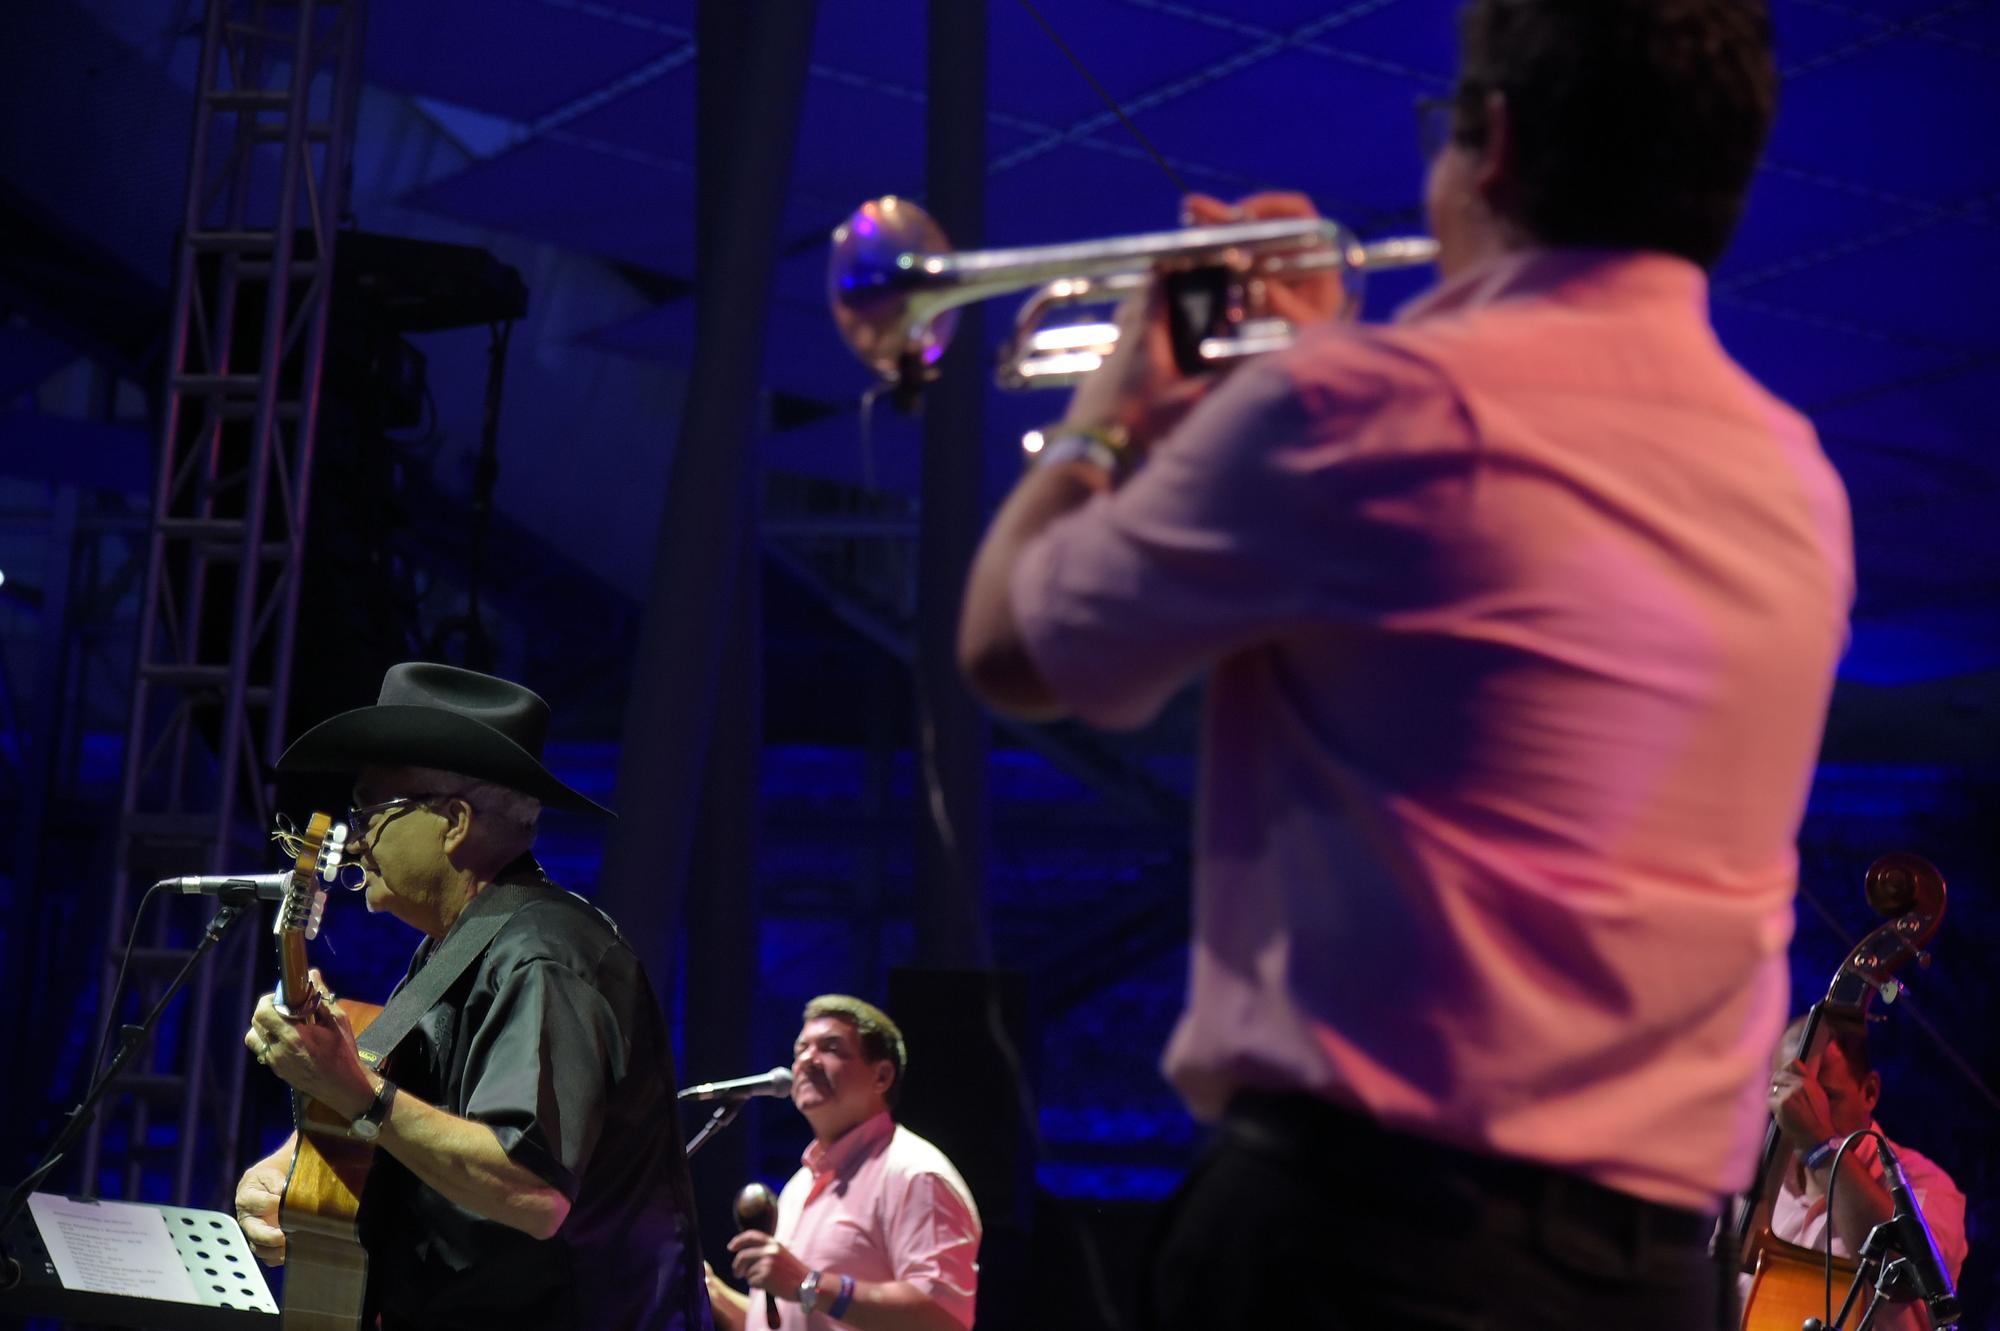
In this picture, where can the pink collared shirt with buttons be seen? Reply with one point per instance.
(880, 1203)
(1520, 618)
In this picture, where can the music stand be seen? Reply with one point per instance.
(226, 1278)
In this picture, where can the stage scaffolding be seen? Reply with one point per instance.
(267, 175)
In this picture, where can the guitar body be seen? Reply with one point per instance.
(1790, 1285)
(326, 1270)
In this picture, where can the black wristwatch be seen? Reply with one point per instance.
(369, 1126)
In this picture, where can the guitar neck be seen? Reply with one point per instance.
(294, 970)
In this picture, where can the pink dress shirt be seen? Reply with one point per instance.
(881, 1203)
(1520, 617)
(1800, 1217)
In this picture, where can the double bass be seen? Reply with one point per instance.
(1788, 1282)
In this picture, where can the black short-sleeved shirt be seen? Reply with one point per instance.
(554, 1040)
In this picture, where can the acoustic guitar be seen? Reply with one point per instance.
(326, 1271)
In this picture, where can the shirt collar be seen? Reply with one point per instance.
(849, 1146)
(1594, 275)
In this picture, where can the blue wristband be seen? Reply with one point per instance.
(838, 1308)
(1821, 1153)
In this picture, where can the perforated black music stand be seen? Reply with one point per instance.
(225, 1275)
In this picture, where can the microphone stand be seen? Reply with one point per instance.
(725, 1114)
(130, 1040)
(1891, 1280)
(1874, 1306)
(1881, 1255)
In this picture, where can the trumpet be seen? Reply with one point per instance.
(895, 286)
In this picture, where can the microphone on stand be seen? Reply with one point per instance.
(238, 889)
(757, 1208)
(778, 1081)
(1913, 1236)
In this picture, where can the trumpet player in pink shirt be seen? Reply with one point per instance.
(1518, 617)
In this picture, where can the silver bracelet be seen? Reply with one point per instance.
(1106, 447)
(809, 1292)
(1076, 446)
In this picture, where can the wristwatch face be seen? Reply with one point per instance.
(369, 1126)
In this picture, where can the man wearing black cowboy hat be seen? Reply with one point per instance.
(530, 1170)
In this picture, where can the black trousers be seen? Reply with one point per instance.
(1304, 1215)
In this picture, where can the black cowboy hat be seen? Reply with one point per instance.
(430, 715)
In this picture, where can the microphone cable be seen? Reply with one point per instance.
(117, 988)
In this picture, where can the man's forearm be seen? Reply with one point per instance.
(465, 1163)
(991, 651)
(1860, 1202)
(887, 1305)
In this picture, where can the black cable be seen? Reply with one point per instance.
(1109, 101)
(117, 986)
(1832, 1180)
(132, 1038)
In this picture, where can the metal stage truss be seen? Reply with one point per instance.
(268, 168)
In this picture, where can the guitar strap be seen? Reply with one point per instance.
(471, 933)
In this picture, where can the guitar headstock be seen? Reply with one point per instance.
(316, 859)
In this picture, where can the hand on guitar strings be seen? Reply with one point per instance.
(315, 1053)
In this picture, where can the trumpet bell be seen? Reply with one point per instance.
(872, 249)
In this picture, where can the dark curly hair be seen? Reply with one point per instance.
(1637, 124)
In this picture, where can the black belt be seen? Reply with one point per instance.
(1313, 1133)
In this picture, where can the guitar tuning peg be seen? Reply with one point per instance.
(1924, 960)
